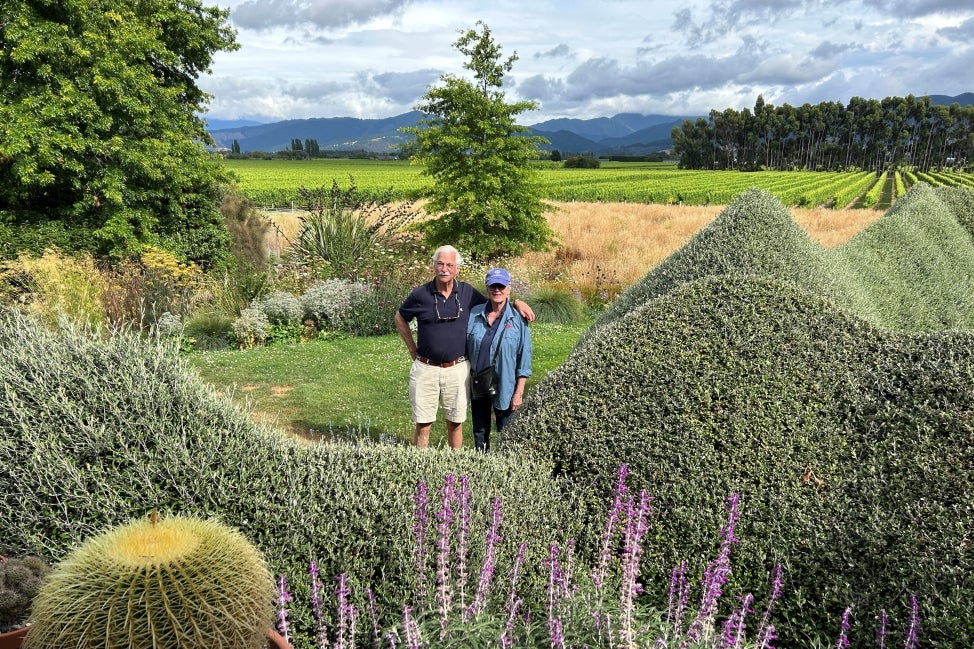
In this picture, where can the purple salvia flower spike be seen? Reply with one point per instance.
(883, 629)
(599, 573)
(913, 631)
(776, 585)
(318, 607)
(490, 562)
(678, 598)
(282, 599)
(506, 640)
(735, 626)
(374, 617)
(420, 527)
(346, 615)
(444, 594)
(463, 548)
(716, 575)
(515, 574)
(410, 628)
(843, 640)
(637, 522)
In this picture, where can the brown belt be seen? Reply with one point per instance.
(426, 361)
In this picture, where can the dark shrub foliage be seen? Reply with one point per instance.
(94, 432)
(752, 360)
(582, 162)
(850, 446)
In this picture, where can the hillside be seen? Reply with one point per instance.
(624, 133)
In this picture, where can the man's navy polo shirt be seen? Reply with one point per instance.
(441, 330)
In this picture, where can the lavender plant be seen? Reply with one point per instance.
(573, 613)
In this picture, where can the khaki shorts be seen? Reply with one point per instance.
(430, 385)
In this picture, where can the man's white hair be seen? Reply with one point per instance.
(448, 249)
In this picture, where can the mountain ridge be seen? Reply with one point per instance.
(621, 134)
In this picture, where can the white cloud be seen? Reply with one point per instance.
(376, 58)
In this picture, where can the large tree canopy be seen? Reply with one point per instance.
(483, 192)
(102, 147)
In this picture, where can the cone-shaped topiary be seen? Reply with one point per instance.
(176, 582)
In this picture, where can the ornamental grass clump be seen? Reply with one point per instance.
(170, 582)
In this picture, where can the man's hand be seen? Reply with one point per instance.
(524, 309)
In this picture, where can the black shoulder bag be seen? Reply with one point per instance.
(483, 384)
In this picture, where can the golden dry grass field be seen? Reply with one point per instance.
(615, 244)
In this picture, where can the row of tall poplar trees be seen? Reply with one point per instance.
(893, 133)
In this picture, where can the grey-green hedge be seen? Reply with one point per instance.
(912, 270)
(769, 373)
(96, 430)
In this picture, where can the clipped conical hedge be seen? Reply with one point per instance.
(913, 269)
(755, 360)
(754, 235)
(849, 444)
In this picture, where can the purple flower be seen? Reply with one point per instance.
(883, 629)
(515, 573)
(411, 629)
(506, 640)
(490, 561)
(318, 607)
(444, 594)
(679, 597)
(281, 600)
(637, 522)
(763, 638)
(463, 548)
(598, 574)
(843, 641)
(374, 615)
(716, 574)
(346, 614)
(913, 631)
(735, 626)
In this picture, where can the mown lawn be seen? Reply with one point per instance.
(346, 386)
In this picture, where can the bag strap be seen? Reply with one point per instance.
(497, 349)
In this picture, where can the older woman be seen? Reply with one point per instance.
(497, 336)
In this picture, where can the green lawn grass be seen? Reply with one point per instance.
(346, 386)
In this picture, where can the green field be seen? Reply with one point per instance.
(274, 183)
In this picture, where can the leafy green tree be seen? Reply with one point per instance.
(484, 190)
(102, 143)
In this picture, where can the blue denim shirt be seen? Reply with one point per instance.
(514, 357)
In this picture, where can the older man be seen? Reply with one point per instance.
(440, 371)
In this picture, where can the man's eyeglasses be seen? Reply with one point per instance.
(436, 307)
(496, 287)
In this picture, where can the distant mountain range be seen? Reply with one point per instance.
(622, 134)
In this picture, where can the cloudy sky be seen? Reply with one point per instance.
(583, 59)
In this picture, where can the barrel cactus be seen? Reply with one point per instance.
(174, 582)
(20, 580)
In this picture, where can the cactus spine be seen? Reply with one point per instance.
(175, 582)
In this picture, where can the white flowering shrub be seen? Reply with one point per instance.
(251, 329)
(332, 302)
(281, 308)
